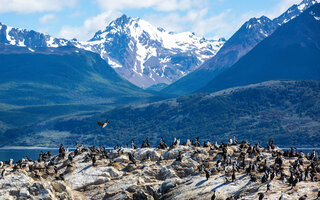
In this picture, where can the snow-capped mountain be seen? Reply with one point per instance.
(294, 11)
(139, 52)
(257, 29)
(243, 41)
(146, 55)
(292, 52)
(29, 39)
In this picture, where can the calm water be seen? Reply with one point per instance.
(18, 154)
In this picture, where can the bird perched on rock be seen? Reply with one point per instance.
(233, 176)
(230, 142)
(179, 158)
(143, 145)
(235, 139)
(175, 143)
(148, 143)
(213, 197)
(281, 197)
(133, 145)
(261, 196)
(162, 144)
(226, 180)
(253, 178)
(304, 197)
(197, 144)
(268, 187)
(103, 125)
(131, 158)
(3, 173)
(94, 160)
(207, 174)
(230, 198)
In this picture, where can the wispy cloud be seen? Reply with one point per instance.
(196, 20)
(47, 18)
(175, 15)
(160, 5)
(32, 6)
(89, 27)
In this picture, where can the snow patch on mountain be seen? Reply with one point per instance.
(31, 39)
(314, 15)
(147, 55)
(294, 11)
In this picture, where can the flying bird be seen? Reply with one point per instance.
(103, 125)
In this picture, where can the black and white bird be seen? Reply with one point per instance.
(213, 197)
(281, 197)
(3, 173)
(261, 196)
(133, 145)
(132, 159)
(103, 125)
(304, 197)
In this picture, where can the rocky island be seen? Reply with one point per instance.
(233, 170)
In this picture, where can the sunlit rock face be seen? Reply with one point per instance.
(146, 55)
(233, 170)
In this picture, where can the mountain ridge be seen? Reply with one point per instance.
(243, 41)
(29, 38)
(291, 52)
(151, 55)
(157, 56)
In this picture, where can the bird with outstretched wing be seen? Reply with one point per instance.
(103, 125)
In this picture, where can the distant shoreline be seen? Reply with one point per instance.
(72, 148)
(26, 147)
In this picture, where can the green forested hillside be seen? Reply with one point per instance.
(286, 111)
(51, 82)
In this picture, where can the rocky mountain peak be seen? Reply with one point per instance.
(152, 55)
(29, 38)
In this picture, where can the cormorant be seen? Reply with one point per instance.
(261, 196)
(304, 197)
(131, 158)
(233, 176)
(207, 174)
(213, 197)
(268, 187)
(133, 145)
(148, 143)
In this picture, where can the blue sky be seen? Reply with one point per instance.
(82, 18)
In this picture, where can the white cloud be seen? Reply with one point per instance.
(31, 6)
(196, 21)
(174, 15)
(89, 27)
(47, 18)
(217, 24)
(160, 5)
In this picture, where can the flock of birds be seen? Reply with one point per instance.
(260, 170)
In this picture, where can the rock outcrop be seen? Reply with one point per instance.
(234, 171)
